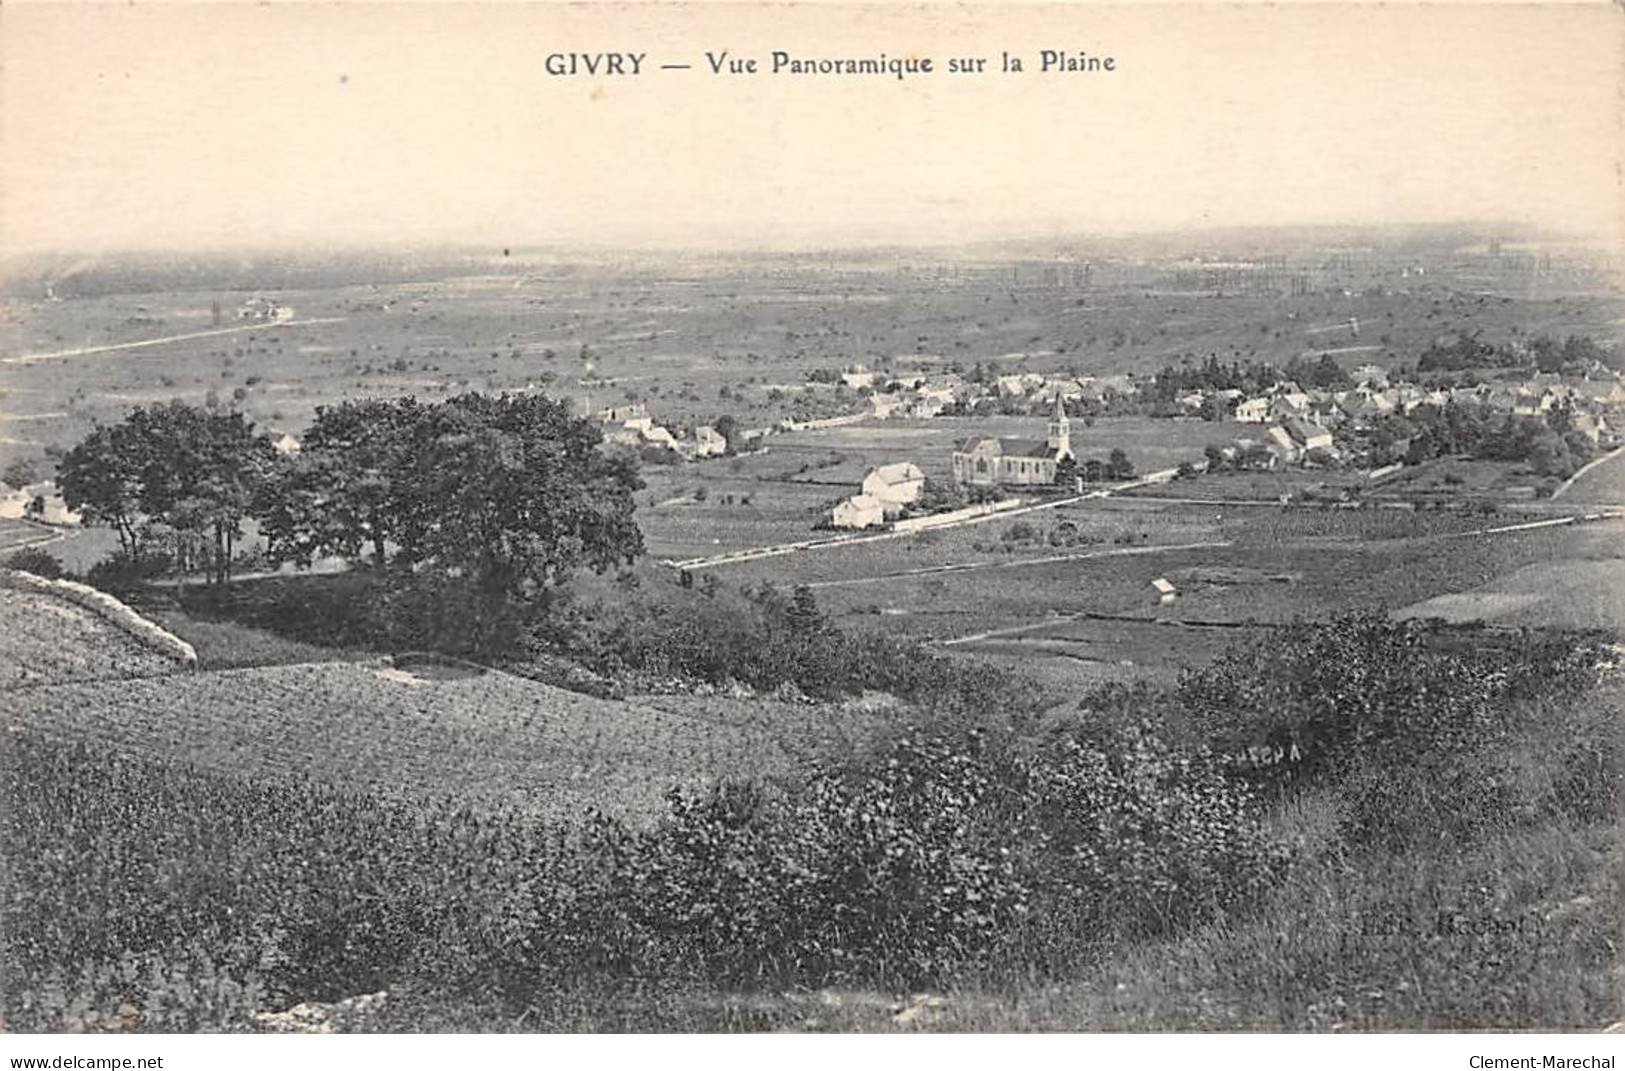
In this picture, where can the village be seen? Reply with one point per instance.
(1374, 422)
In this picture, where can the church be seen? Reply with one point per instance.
(986, 461)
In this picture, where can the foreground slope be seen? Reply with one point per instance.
(432, 733)
(46, 639)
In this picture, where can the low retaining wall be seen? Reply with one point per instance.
(935, 520)
(106, 607)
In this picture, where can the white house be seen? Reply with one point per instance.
(1253, 410)
(658, 436)
(1289, 405)
(859, 511)
(885, 405)
(857, 377)
(709, 442)
(897, 484)
(1281, 443)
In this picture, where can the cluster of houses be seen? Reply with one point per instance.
(980, 461)
(631, 425)
(1299, 422)
(916, 396)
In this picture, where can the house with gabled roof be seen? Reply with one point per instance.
(859, 511)
(898, 483)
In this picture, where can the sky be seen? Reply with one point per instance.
(203, 126)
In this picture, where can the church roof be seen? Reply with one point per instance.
(1025, 448)
(1008, 447)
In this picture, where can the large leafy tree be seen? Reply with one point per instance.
(172, 469)
(341, 494)
(512, 493)
(101, 479)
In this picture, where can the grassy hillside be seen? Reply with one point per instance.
(1361, 825)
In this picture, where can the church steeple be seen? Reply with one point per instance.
(1060, 432)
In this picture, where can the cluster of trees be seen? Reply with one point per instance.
(175, 479)
(1253, 456)
(1253, 377)
(1469, 351)
(1551, 446)
(505, 493)
(1117, 466)
(1574, 354)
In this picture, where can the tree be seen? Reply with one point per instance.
(1216, 407)
(803, 614)
(512, 493)
(340, 494)
(100, 478)
(20, 473)
(727, 426)
(1118, 466)
(171, 469)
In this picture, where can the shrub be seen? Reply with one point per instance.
(36, 561)
(1363, 689)
(939, 854)
(1432, 803)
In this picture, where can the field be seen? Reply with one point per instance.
(51, 640)
(16, 534)
(1604, 483)
(435, 733)
(692, 339)
(1085, 611)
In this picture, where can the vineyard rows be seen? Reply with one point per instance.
(364, 726)
(47, 639)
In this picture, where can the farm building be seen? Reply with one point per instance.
(1281, 443)
(985, 460)
(1253, 410)
(859, 511)
(886, 405)
(1309, 435)
(634, 416)
(857, 377)
(898, 484)
(1289, 405)
(708, 442)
